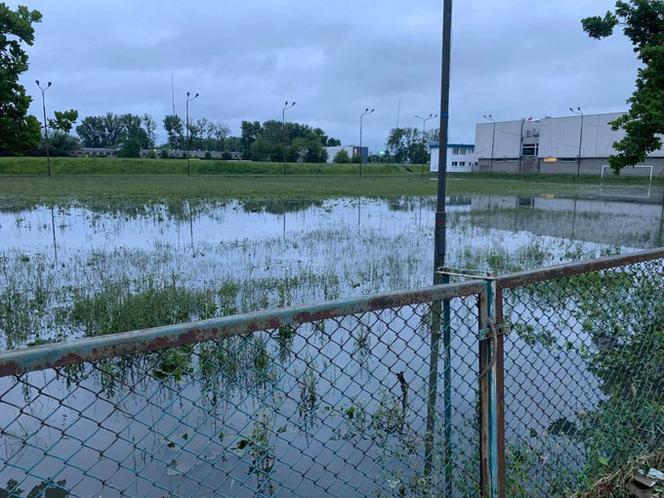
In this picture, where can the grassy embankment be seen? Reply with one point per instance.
(24, 179)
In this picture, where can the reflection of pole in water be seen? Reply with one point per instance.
(55, 242)
(661, 225)
(359, 213)
(191, 227)
(284, 222)
(574, 221)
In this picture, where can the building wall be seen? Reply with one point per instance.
(461, 158)
(521, 146)
(589, 166)
(507, 143)
(559, 137)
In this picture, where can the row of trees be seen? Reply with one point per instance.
(20, 133)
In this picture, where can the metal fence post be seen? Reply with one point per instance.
(492, 420)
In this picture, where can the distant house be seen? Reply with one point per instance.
(460, 158)
(175, 154)
(352, 150)
(95, 152)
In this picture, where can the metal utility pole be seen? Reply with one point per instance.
(424, 134)
(489, 117)
(579, 112)
(48, 152)
(189, 99)
(287, 105)
(438, 318)
(366, 112)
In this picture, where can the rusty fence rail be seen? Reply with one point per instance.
(531, 384)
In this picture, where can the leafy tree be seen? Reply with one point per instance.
(333, 142)
(296, 142)
(643, 24)
(19, 132)
(175, 131)
(206, 135)
(64, 120)
(401, 144)
(233, 144)
(150, 127)
(101, 131)
(418, 153)
(126, 132)
(250, 132)
(60, 142)
(342, 157)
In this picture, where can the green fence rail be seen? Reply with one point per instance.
(555, 380)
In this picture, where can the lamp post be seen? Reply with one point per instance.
(489, 117)
(189, 99)
(366, 112)
(424, 133)
(440, 311)
(287, 105)
(579, 112)
(48, 152)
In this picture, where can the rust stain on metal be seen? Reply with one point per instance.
(68, 359)
(8, 369)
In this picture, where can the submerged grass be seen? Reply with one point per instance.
(21, 191)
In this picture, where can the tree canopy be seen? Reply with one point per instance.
(19, 132)
(272, 141)
(128, 132)
(406, 145)
(643, 24)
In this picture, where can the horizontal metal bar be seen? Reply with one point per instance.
(141, 341)
(571, 269)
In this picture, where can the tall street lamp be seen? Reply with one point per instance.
(579, 112)
(48, 153)
(424, 133)
(366, 112)
(287, 105)
(189, 99)
(489, 117)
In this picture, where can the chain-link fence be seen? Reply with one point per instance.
(330, 401)
(535, 384)
(584, 378)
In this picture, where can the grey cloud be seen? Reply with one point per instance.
(513, 59)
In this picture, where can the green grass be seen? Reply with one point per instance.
(122, 166)
(23, 181)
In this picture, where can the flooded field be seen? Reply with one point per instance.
(57, 262)
(257, 413)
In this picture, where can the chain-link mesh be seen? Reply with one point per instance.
(328, 408)
(584, 377)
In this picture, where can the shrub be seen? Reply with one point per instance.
(342, 157)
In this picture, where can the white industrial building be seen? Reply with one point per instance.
(579, 144)
(461, 158)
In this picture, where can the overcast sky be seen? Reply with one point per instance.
(513, 59)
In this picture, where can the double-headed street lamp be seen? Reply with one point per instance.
(287, 105)
(48, 153)
(366, 112)
(579, 112)
(189, 99)
(489, 117)
(424, 133)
